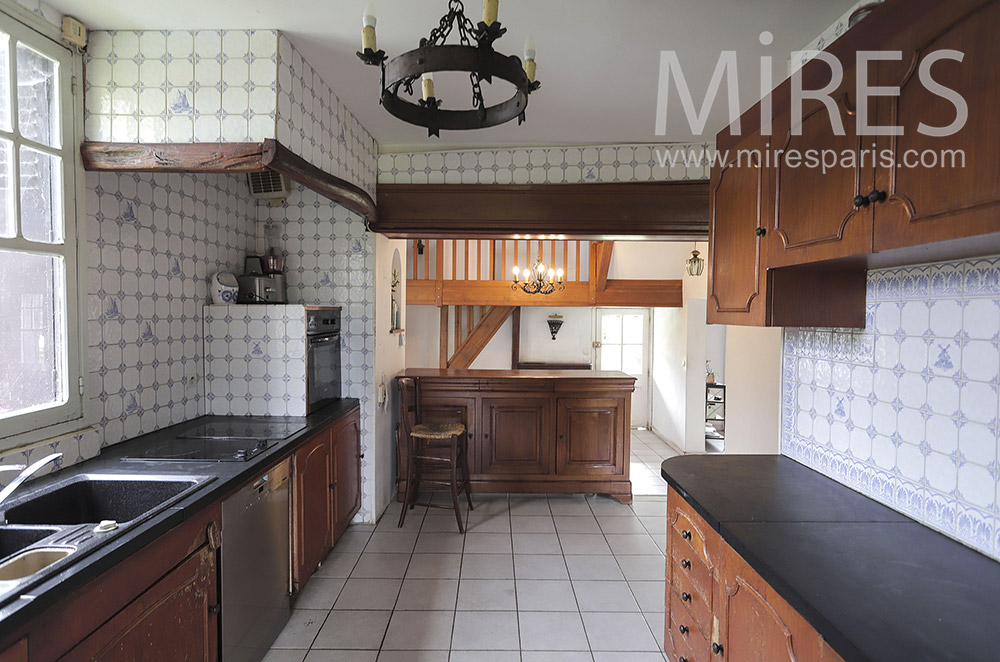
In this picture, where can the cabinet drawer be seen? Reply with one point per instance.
(689, 606)
(688, 643)
(686, 564)
(689, 530)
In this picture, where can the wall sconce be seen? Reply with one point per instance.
(695, 264)
(555, 323)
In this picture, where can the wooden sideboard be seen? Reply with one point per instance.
(541, 431)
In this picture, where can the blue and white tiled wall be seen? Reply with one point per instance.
(548, 165)
(255, 360)
(330, 260)
(906, 411)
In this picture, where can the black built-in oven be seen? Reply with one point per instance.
(323, 382)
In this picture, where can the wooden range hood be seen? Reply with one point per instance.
(227, 158)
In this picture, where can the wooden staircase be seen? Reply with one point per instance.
(472, 328)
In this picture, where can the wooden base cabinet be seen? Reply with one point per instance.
(559, 432)
(326, 493)
(719, 608)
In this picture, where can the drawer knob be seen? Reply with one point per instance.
(683, 629)
(685, 597)
(716, 648)
(686, 535)
(685, 564)
(861, 201)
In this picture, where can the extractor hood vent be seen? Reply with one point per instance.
(269, 185)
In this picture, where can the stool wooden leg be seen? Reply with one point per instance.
(454, 482)
(465, 470)
(408, 492)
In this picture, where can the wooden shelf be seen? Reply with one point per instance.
(395, 331)
(227, 158)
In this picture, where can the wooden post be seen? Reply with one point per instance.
(427, 261)
(443, 358)
(454, 259)
(515, 338)
(415, 260)
(578, 242)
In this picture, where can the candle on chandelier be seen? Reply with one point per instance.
(490, 8)
(516, 272)
(368, 28)
(529, 58)
(559, 275)
(427, 86)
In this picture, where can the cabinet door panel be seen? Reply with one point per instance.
(736, 268)
(347, 474)
(149, 627)
(590, 436)
(814, 214)
(941, 202)
(514, 434)
(313, 482)
(756, 623)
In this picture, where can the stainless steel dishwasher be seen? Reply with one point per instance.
(255, 566)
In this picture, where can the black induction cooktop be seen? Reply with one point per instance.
(224, 440)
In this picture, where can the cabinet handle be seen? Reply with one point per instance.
(876, 196)
(683, 629)
(682, 659)
(760, 232)
(861, 201)
(686, 535)
(361, 457)
(333, 485)
(716, 648)
(685, 564)
(215, 609)
(486, 436)
(685, 597)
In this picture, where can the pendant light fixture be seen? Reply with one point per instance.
(695, 264)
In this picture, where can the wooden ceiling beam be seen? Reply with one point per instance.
(227, 158)
(674, 210)
(624, 293)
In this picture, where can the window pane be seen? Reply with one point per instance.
(5, 82)
(41, 197)
(611, 329)
(33, 344)
(8, 222)
(632, 359)
(37, 96)
(632, 329)
(611, 357)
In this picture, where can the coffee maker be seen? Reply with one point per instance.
(263, 280)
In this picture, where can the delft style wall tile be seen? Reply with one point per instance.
(550, 165)
(910, 415)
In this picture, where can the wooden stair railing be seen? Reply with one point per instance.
(474, 327)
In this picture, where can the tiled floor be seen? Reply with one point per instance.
(648, 451)
(535, 579)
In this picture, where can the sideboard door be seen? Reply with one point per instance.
(590, 436)
(514, 436)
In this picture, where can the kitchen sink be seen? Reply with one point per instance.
(14, 539)
(32, 562)
(92, 498)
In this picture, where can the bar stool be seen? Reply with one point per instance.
(430, 447)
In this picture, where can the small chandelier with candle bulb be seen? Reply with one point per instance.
(473, 55)
(539, 279)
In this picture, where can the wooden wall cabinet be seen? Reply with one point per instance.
(326, 493)
(534, 431)
(719, 608)
(902, 199)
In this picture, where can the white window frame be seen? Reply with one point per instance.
(29, 428)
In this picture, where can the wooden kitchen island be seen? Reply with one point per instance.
(537, 431)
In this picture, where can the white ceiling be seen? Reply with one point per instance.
(598, 60)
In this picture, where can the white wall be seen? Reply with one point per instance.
(390, 359)
(753, 389)
(668, 380)
(573, 343)
(641, 260)
(422, 334)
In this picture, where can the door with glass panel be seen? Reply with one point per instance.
(40, 376)
(623, 344)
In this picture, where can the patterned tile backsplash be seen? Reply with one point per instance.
(330, 260)
(906, 411)
(255, 360)
(548, 165)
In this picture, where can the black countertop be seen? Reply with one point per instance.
(874, 583)
(227, 477)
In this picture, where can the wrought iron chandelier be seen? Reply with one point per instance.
(474, 55)
(539, 279)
